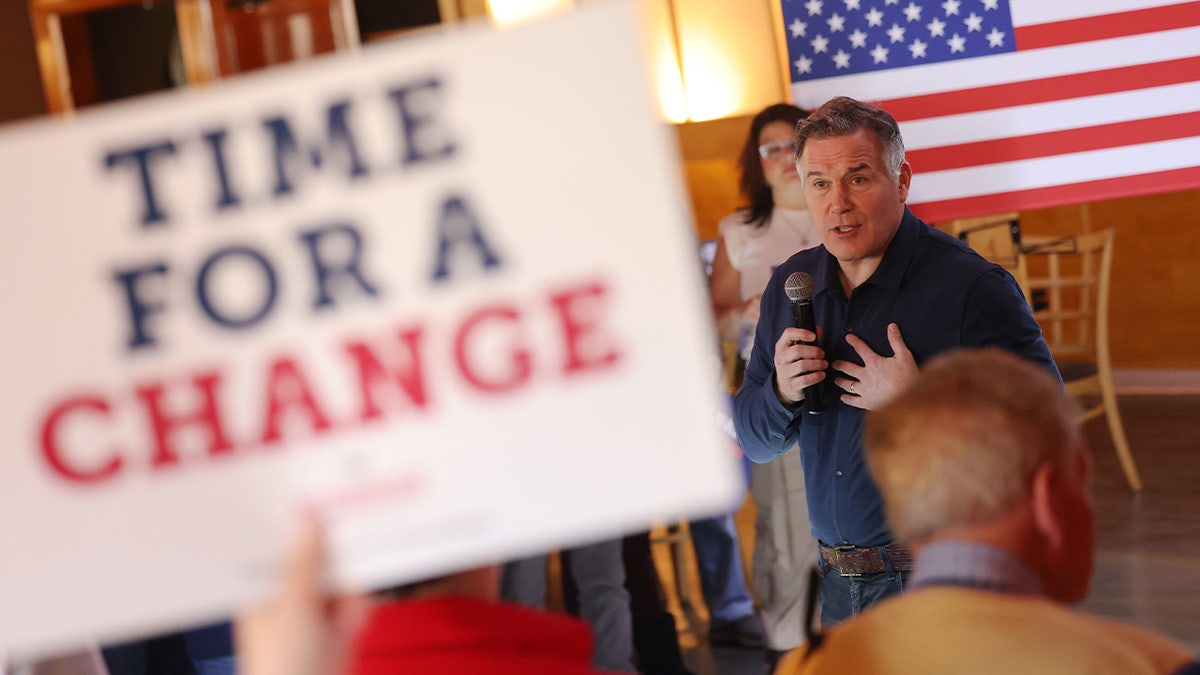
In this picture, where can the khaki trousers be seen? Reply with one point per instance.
(784, 549)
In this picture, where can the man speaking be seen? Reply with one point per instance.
(889, 292)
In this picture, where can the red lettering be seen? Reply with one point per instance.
(410, 377)
(164, 427)
(519, 357)
(53, 453)
(287, 388)
(579, 314)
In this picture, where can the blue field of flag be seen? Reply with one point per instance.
(828, 38)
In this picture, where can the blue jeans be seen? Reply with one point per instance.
(719, 559)
(843, 597)
(221, 665)
(599, 573)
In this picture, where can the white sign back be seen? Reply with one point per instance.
(443, 291)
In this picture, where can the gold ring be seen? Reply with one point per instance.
(851, 387)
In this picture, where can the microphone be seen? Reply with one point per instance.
(799, 290)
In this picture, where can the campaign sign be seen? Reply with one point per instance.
(444, 292)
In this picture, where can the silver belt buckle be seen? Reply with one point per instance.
(838, 550)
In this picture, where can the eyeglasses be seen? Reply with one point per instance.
(774, 149)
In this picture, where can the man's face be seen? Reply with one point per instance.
(855, 202)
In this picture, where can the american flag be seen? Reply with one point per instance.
(1008, 105)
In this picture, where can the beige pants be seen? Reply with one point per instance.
(784, 549)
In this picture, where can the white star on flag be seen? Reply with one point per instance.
(798, 28)
(814, 7)
(1011, 105)
(836, 22)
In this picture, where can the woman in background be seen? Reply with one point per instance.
(754, 240)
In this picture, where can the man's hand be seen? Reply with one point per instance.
(797, 365)
(302, 630)
(879, 378)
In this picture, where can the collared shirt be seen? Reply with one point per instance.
(969, 563)
(941, 294)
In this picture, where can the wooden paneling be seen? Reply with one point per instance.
(258, 36)
(714, 193)
(710, 162)
(1155, 295)
(18, 64)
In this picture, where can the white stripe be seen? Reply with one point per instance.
(1037, 118)
(1058, 170)
(1003, 68)
(1030, 12)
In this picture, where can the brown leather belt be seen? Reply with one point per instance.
(852, 561)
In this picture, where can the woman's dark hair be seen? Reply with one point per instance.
(753, 184)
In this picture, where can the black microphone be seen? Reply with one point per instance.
(799, 289)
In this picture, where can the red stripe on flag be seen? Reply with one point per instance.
(1043, 90)
(1117, 134)
(1119, 24)
(1075, 193)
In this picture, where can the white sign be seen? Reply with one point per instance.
(445, 292)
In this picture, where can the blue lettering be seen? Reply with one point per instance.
(319, 242)
(416, 103)
(227, 198)
(140, 307)
(141, 157)
(203, 290)
(457, 226)
(338, 135)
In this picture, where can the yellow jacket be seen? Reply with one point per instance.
(956, 630)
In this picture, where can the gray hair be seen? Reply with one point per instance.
(961, 446)
(843, 116)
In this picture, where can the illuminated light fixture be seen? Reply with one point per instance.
(709, 59)
(729, 56)
(506, 13)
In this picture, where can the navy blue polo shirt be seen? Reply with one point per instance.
(940, 293)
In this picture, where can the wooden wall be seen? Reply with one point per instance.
(18, 64)
(1155, 304)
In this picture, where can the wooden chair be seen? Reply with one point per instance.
(998, 239)
(681, 598)
(1074, 274)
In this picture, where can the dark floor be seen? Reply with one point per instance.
(1148, 545)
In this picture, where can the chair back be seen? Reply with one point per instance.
(1069, 281)
(1071, 277)
(998, 239)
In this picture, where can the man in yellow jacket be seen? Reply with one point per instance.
(985, 475)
